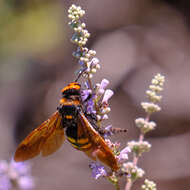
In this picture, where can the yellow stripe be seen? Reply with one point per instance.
(80, 144)
(82, 141)
(75, 146)
(86, 146)
(71, 140)
(69, 117)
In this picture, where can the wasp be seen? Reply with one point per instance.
(68, 121)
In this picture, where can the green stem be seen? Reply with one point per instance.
(117, 186)
(90, 84)
(136, 158)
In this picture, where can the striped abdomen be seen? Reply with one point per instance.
(77, 138)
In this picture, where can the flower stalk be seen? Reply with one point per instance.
(145, 125)
(95, 99)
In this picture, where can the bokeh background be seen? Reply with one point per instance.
(134, 40)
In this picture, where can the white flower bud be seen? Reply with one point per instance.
(90, 75)
(150, 107)
(83, 25)
(93, 70)
(98, 66)
(148, 185)
(98, 117)
(95, 61)
(138, 147)
(105, 117)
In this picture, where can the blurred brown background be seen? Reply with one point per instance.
(134, 40)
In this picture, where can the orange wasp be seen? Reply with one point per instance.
(69, 117)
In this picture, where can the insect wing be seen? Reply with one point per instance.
(99, 147)
(55, 139)
(47, 138)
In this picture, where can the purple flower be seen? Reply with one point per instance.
(104, 83)
(97, 170)
(3, 166)
(25, 183)
(90, 106)
(15, 175)
(5, 183)
(20, 167)
(123, 156)
(88, 100)
(85, 94)
(109, 143)
(107, 95)
(108, 131)
(102, 86)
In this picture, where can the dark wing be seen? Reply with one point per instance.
(46, 138)
(99, 148)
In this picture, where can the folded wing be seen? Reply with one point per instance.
(45, 139)
(99, 148)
